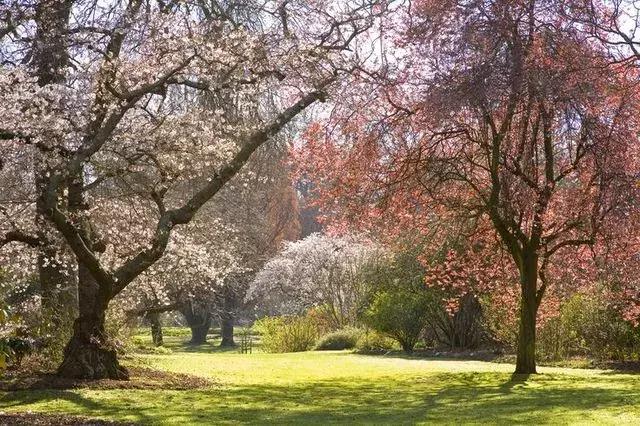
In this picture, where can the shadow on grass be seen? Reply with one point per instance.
(73, 403)
(182, 344)
(205, 348)
(620, 367)
(442, 397)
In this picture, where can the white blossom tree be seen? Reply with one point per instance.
(105, 96)
(318, 271)
(206, 276)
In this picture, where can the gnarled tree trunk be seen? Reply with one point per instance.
(199, 332)
(89, 354)
(199, 323)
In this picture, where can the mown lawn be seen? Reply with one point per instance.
(339, 387)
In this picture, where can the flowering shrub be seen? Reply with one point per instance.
(319, 271)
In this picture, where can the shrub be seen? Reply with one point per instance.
(500, 318)
(322, 318)
(345, 338)
(287, 333)
(461, 329)
(400, 314)
(588, 326)
(372, 341)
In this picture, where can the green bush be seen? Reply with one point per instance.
(587, 326)
(372, 341)
(400, 314)
(287, 333)
(345, 338)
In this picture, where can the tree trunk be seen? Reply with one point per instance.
(89, 354)
(199, 322)
(156, 328)
(226, 329)
(407, 347)
(526, 358)
(199, 331)
(227, 316)
(58, 289)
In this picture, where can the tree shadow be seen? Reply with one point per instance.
(81, 405)
(442, 397)
(515, 380)
(431, 354)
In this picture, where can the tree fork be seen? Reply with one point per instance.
(89, 354)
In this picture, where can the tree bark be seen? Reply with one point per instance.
(156, 328)
(58, 289)
(90, 354)
(407, 346)
(226, 329)
(199, 332)
(199, 322)
(526, 357)
(227, 316)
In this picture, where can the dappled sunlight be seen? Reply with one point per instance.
(338, 387)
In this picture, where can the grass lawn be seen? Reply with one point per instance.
(339, 387)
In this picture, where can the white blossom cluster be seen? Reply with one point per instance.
(319, 270)
(147, 106)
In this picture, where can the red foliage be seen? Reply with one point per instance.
(499, 132)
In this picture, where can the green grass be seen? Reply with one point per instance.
(340, 387)
(175, 339)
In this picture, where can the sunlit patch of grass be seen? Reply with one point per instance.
(340, 387)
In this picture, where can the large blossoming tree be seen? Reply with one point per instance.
(103, 101)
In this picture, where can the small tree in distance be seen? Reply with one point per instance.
(318, 271)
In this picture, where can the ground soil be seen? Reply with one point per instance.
(141, 378)
(35, 419)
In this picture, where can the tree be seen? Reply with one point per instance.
(229, 241)
(397, 301)
(318, 271)
(189, 276)
(613, 24)
(121, 107)
(263, 205)
(500, 115)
